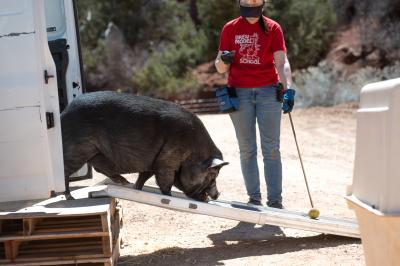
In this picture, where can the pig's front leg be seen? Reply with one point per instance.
(165, 180)
(143, 177)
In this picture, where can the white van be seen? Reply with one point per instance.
(40, 73)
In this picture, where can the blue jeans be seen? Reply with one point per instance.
(261, 105)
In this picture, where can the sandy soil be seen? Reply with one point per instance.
(155, 236)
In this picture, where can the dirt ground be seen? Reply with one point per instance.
(155, 236)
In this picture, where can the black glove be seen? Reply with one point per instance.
(280, 91)
(227, 57)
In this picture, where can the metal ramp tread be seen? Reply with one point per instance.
(233, 210)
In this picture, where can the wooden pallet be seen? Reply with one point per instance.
(59, 232)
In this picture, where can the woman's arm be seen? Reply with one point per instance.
(283, 67)
(220, 65)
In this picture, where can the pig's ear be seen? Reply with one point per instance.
(217, 163)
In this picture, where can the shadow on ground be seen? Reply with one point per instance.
(243, 240)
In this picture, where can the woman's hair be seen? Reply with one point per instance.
(263, 25)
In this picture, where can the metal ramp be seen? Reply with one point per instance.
(233, 210)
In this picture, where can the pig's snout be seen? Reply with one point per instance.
(213, 192)
(206, 195)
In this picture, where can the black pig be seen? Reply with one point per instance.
(119, 133)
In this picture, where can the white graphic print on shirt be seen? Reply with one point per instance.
(249, 48)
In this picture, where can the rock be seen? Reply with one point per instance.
(375, 25)
(330, 84)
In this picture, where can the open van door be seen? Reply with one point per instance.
(63, 37)
(31, 160)
(40, 73)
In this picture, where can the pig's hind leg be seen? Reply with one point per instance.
(143, 177)
(75, 156)
(102, 165)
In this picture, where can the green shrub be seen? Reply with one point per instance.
(308, 27)
(93, 19)
(213, 15)
(169, 71)
(157, 80)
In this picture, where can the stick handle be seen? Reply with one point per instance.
(301, 161)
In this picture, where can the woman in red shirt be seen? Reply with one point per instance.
(252, 48)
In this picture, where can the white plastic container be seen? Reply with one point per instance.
(374, 194)
(376, 180)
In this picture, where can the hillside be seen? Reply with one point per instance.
(365, 49)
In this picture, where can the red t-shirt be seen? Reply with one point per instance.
(253, 66)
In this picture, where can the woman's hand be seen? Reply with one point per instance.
(288, 101)
(228, 57)
(220, 65)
